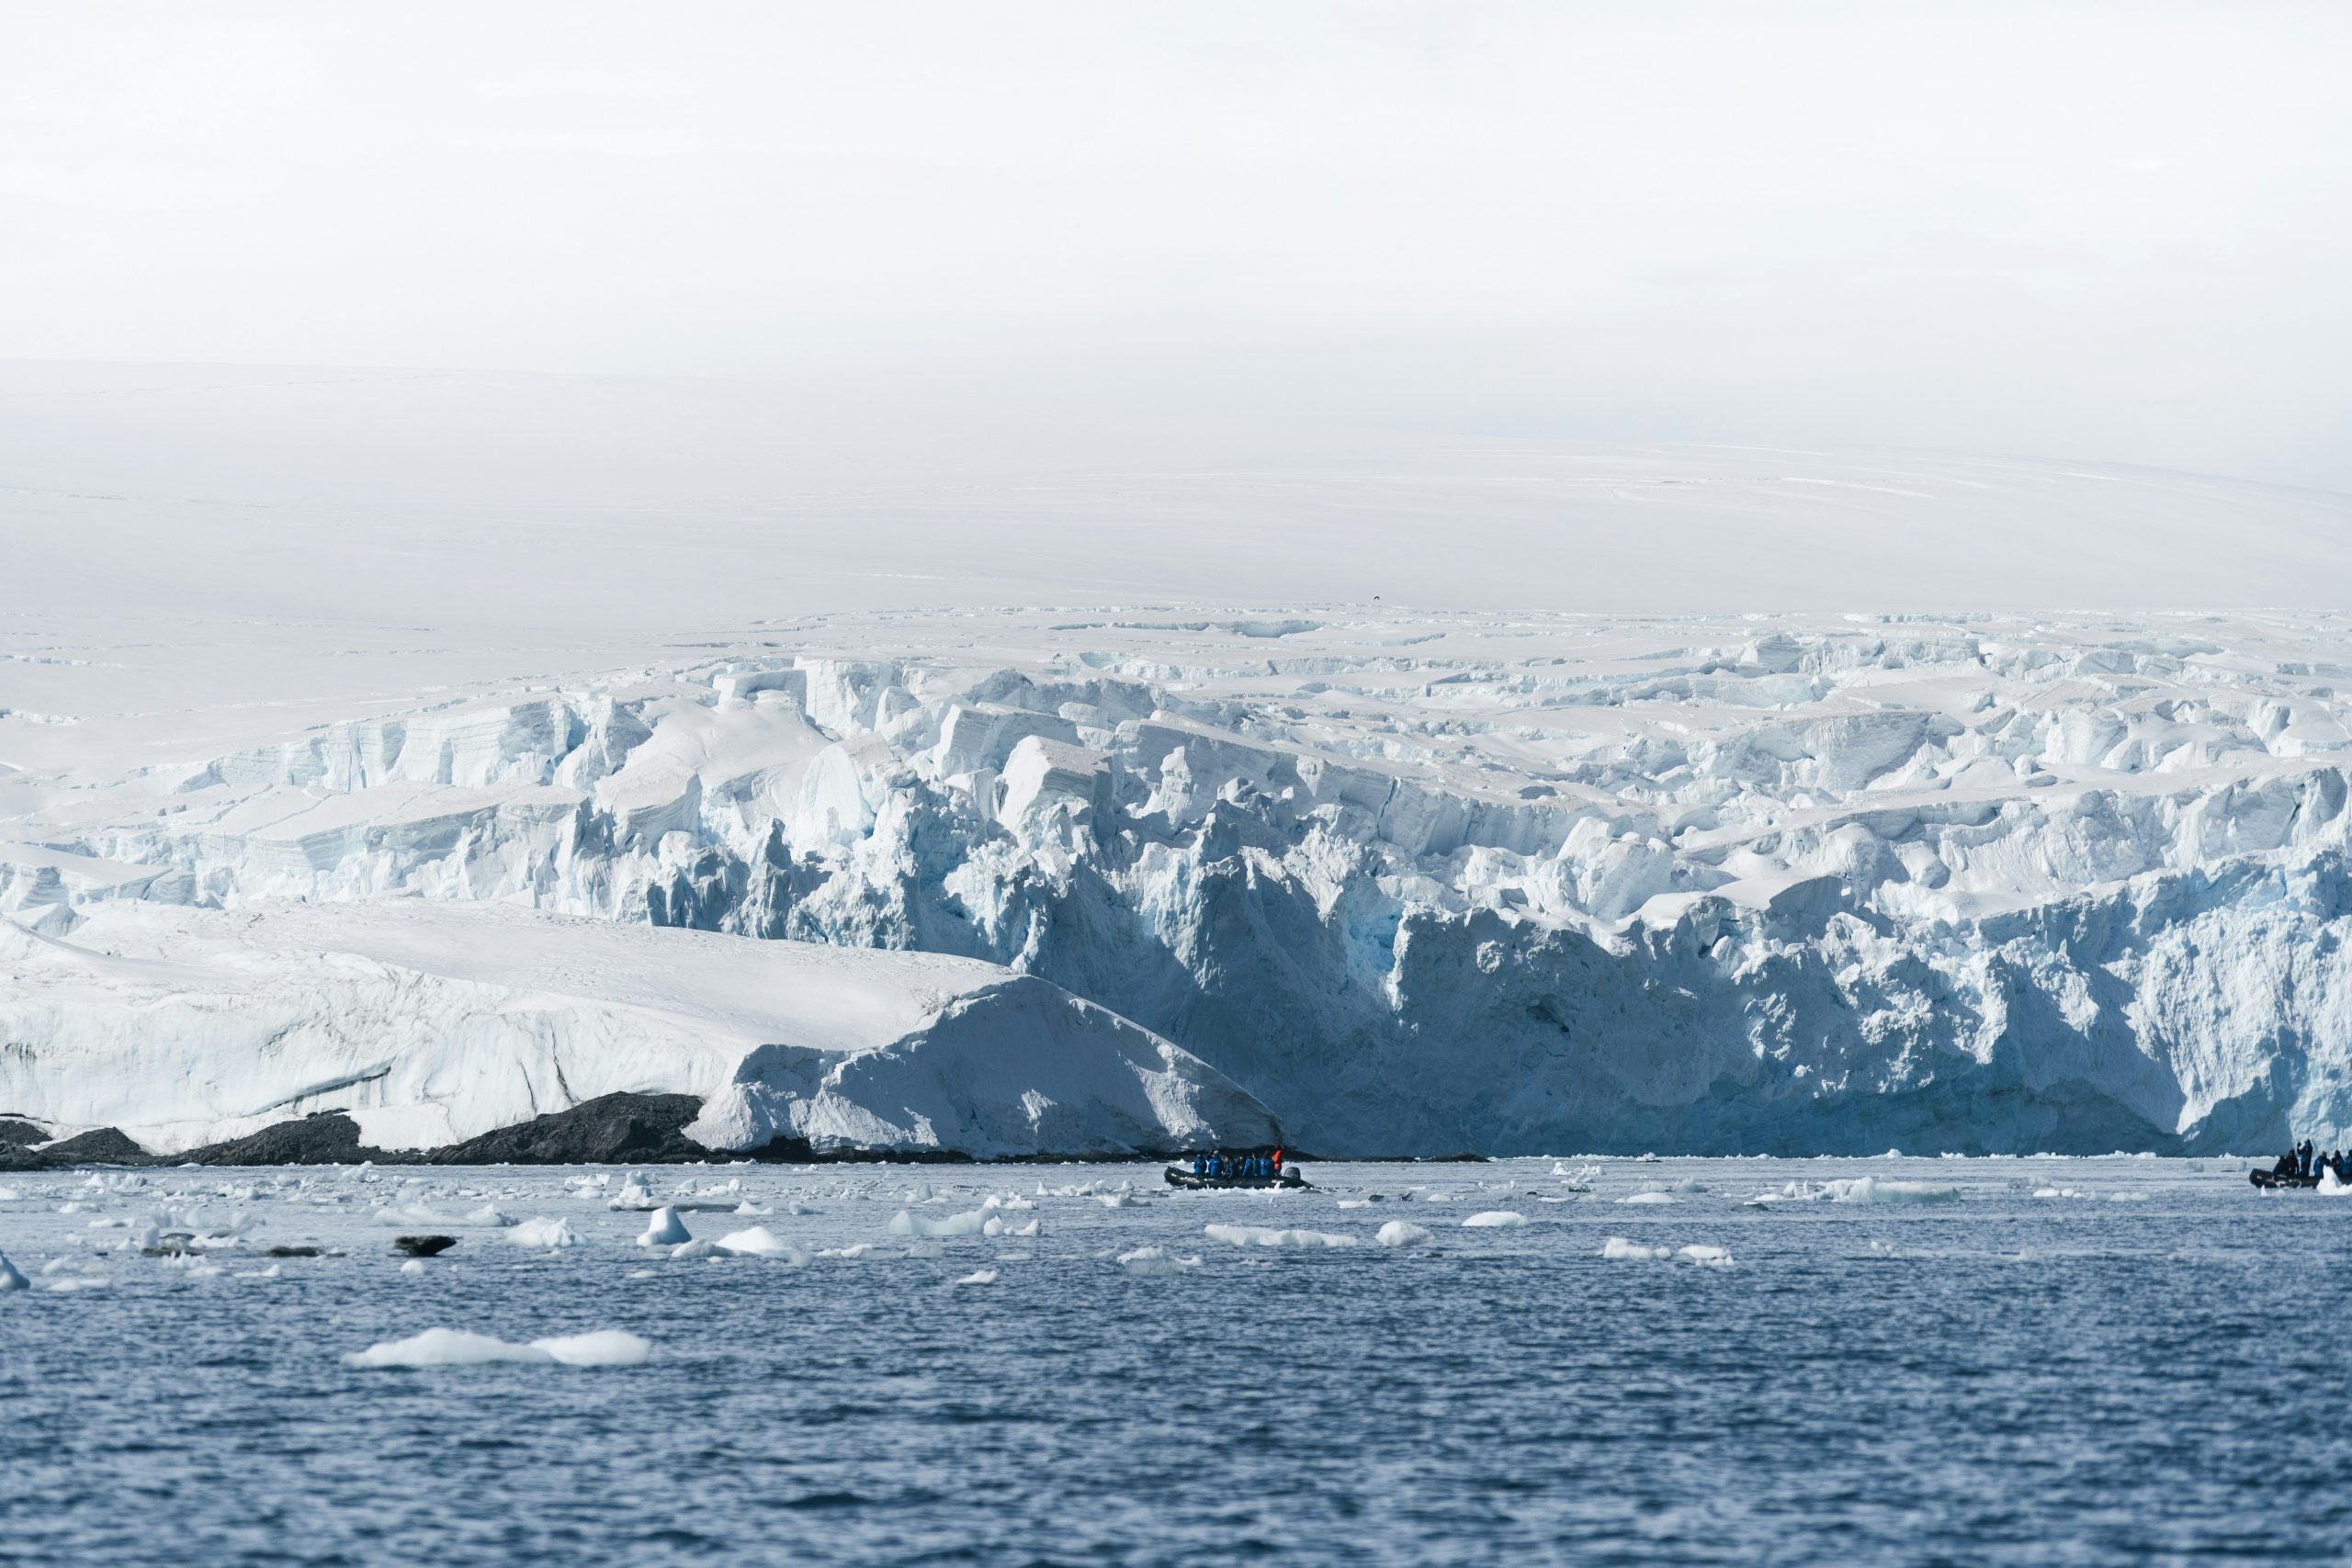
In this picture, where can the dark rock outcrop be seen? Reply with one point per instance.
(17, 1133)
(104, 1145)
(329, 1137)
(613, 1129)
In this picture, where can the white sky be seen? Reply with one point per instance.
(2114, 231)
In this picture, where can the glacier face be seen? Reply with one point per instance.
(431, 1023)
(1420, 881)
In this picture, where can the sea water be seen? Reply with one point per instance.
(1836, 1362)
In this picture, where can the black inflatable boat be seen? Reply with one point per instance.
(1185, 1179)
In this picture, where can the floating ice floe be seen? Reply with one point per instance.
(414, 1266)
(1401, 1232)
(1267, 1235)
(664, 1229)
(9, 1279)
(979, 1277)
(635, 1193)
(1495, 1219)
(455, 1347)
(762, 1242)
(1617, 1249)
(996, 1226)
(546, 1233)
(687, 1252)
(1707, 1256)
(905, 1222)
(1649, 1198)
(1155, 1260)
(1876, 1189)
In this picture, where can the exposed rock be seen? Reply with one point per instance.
(328, 1138)
(17, 1134)
(104, 1145)
(613, 1129)
(425, 1246)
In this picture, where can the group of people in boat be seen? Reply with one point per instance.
(2303, 1162)
(1265, 1165)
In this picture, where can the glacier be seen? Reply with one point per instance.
(430, 1023)
(1404, 881)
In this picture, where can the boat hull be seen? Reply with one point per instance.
(1186, 1180)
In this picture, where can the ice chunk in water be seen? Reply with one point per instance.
(9, 1279)
(762, 1242)
(664, 1229)
(1495, 1219)
(979, 1277)
(1400, 1233)
(546, 1233)
(1711, 1257)
(1155, 1260)
(1873, 1189)
(1266, 1235)
(1617, 1249)
(908, 1223)
(1648, 1198)
(455, 1347)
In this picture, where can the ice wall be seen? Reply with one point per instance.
(1425, 883)
(431, 1023)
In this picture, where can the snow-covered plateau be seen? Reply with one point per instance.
(1414, 881)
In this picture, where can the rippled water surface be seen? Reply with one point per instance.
(2015, 1360)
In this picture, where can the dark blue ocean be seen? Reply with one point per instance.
(2027, 1361)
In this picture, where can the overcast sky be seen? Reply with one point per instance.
(2115, 232)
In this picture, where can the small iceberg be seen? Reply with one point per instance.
(546, 1233)
(455, 1347)
(905, 1222)
(979, 1277)
(1154, 1260)
(762, 1242)
(1873, 1189)
(1401, 1232)
(1495, 1219)
(1617, 1249)
(664, 1229)
(1266, 1235)
(9, 1279)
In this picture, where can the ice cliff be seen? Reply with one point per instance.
(432, 1023)
(1418, 883)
